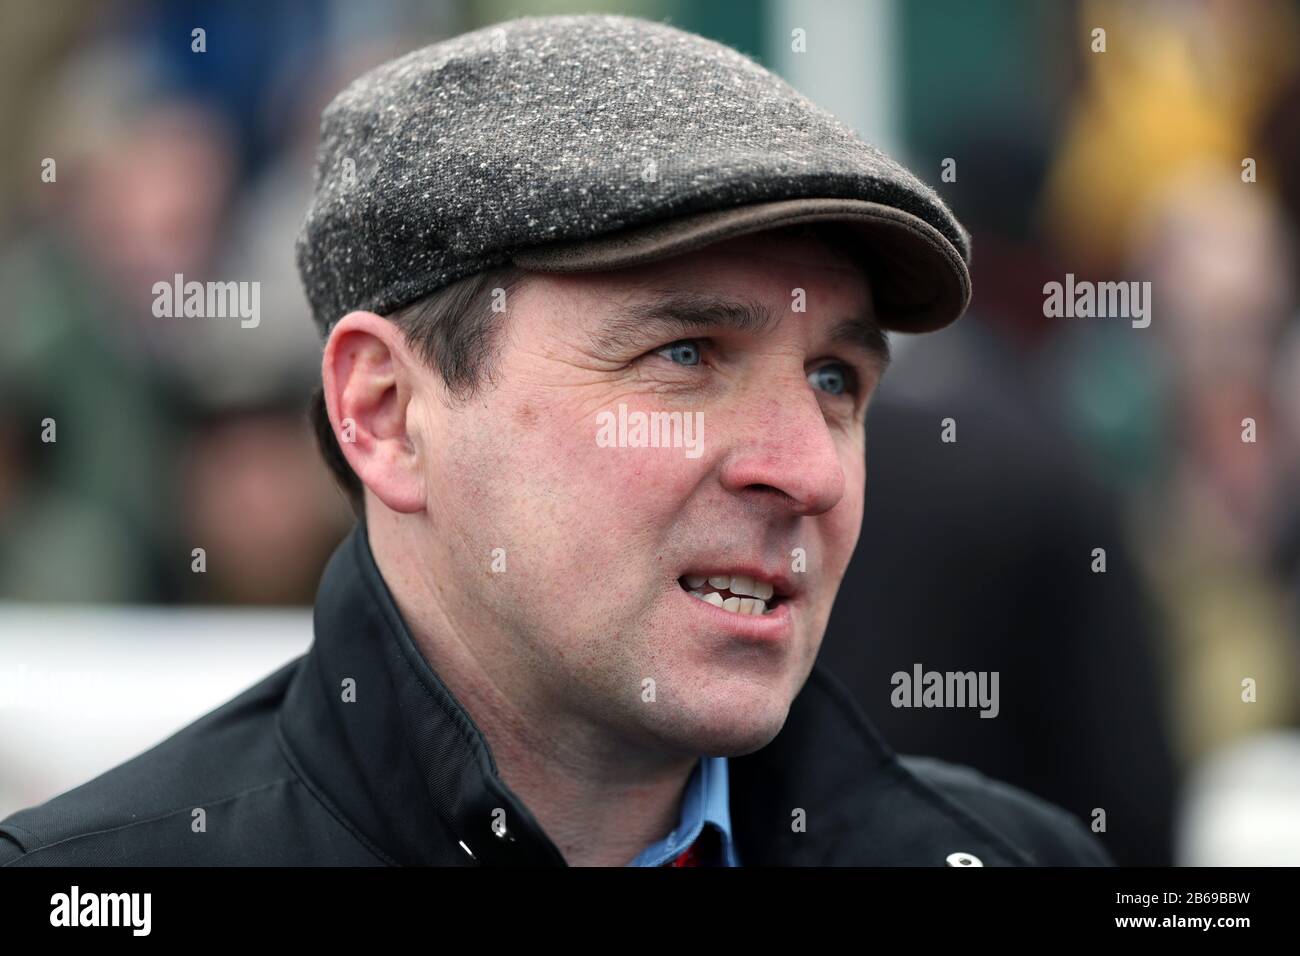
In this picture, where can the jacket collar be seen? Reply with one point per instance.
(396, 758)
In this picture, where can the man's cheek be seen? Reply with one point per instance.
(645, 484)
(614, 440)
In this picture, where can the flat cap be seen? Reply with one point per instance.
(564, 143)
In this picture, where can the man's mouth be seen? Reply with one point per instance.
(738, 593)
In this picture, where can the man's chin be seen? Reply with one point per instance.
(737, 745)
(720, 731)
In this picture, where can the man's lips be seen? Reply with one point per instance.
(771, 626)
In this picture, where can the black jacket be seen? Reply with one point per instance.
(289, 773)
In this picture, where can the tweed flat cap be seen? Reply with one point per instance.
(564, 143)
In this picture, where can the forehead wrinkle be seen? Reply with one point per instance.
(679, 311)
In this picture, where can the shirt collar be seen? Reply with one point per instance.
(705, 802)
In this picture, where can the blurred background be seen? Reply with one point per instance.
(1164, 692)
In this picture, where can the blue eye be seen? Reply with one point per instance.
(683, 352)
(836, 379)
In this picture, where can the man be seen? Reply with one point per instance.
(604, 307)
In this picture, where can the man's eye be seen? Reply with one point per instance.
(837, 379)
(683, 352)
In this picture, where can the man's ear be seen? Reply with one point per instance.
(366, 374)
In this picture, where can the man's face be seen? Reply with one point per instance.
(600, 544)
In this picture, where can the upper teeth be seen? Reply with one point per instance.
(739, 584)
(747, 595)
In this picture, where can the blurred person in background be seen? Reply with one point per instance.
(1218, 255)
(153, 148)
(1175, 168)
(1151, 183)
(142, 189)
(261, 544)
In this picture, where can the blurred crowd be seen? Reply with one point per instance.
(1075, 434)
(170, 434)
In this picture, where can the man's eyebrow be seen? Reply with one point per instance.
(677, 313)
(864, 332)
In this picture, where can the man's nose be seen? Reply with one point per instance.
(784, 445)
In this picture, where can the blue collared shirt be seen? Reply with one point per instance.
(706, 801)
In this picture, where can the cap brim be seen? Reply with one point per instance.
(919, 280)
